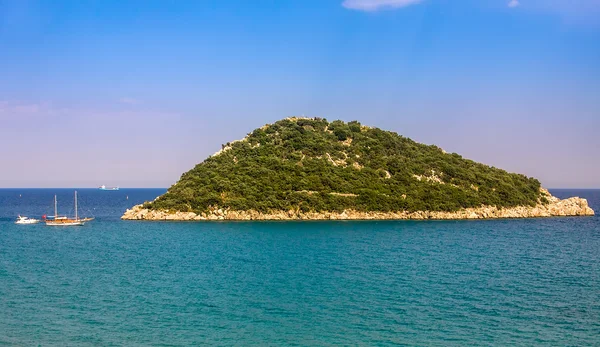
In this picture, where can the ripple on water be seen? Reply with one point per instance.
(523, 282)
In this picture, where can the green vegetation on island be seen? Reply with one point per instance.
(314, 165)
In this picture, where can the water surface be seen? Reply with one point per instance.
(523, 282)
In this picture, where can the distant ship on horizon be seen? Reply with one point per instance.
(103, 187)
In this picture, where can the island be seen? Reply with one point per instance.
(313, 169)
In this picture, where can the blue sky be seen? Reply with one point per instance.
(138, 92)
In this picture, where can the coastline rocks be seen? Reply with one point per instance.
(554, 208)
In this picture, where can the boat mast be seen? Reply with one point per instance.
(76, 216)
(55, 208)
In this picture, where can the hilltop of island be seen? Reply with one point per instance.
(309, 168)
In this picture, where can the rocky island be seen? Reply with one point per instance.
(312, 169)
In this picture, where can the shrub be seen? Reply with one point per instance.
(299, 163)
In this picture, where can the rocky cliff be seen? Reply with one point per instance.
(554, 207)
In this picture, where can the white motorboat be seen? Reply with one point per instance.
(26, 220)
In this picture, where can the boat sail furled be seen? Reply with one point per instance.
(66, 221)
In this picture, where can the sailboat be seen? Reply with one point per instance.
(64, 220)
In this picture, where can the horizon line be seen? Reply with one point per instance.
(120, 188)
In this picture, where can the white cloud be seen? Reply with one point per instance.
(514, 3)
(374, 5)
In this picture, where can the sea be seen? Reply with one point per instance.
(375, 283)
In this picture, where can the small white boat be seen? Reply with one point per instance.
(26, 220)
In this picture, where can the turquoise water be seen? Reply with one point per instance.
(521, 282)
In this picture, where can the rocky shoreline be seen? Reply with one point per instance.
(554, 208)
